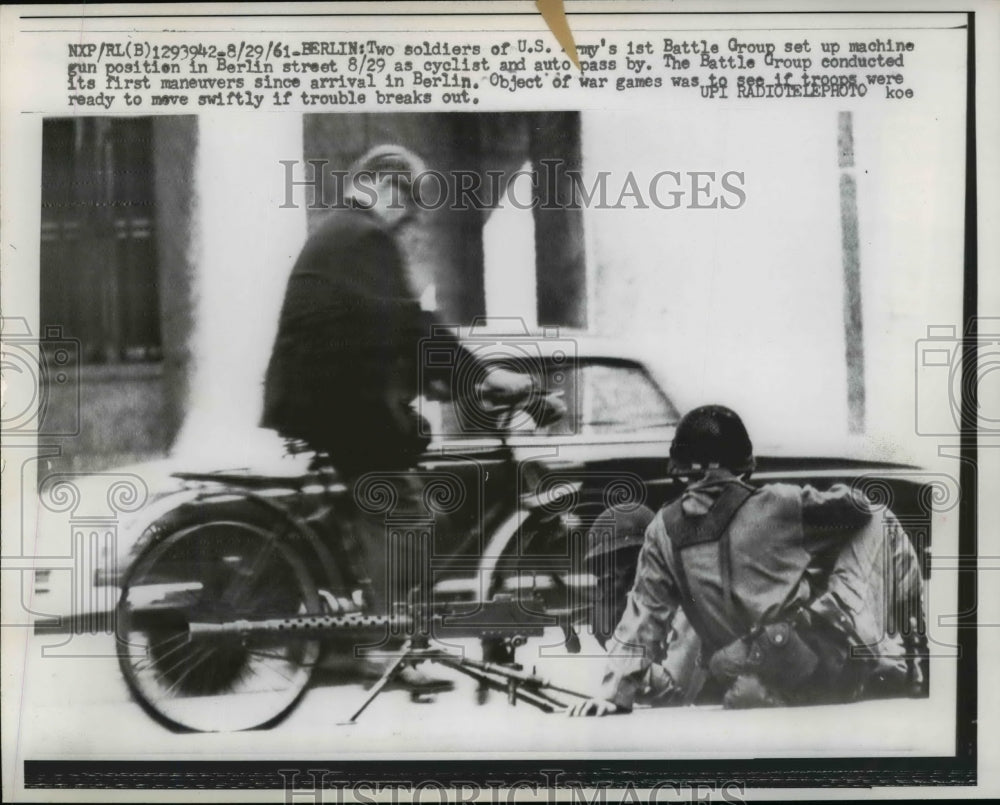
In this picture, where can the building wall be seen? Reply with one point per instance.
(740, 304)
(132, 411)
(124, 418)
(175, 143)
(745, 306)
(242, 249)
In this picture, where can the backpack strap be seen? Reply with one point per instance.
(687, 600)
(685, 530)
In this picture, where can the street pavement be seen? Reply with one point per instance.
(78, 707)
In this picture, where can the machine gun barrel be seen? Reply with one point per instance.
(295, 624)
(501, 617)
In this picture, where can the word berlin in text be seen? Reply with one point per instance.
(551, 185)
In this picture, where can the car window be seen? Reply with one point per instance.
(601, 397)
(620, 398)
(608, 397)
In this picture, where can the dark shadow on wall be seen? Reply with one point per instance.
(448, 250)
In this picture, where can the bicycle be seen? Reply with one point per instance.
(230, 600)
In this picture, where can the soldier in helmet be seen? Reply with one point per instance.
(613, 547)
(778, 582)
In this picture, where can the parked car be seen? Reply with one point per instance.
(513, 502)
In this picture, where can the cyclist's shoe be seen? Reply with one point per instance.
(415, 681)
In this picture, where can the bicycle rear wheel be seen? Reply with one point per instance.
(216, 572)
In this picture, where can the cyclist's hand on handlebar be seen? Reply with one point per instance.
(505, 387)
(594, 707)
(550, 408)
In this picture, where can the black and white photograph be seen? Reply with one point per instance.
(579, 401)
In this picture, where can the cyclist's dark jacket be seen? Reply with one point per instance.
(347, 348)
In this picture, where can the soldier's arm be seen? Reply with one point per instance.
(645, 622)
(831, 518)
(871, 584)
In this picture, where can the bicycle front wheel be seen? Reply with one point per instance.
(216, 572)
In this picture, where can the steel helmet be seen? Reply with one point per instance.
(710, 437)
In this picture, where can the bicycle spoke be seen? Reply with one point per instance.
(175, 666)
(234, 595)
(149, 648)
(282, 657)
(206, 653)
(256, 670)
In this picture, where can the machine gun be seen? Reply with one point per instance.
(243, 586)
(502, 621)
(193, 654)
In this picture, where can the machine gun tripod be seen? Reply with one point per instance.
(241, 583)
(199, 642)
(518, 684)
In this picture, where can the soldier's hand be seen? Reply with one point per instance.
(749, 691)
(594, 707)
